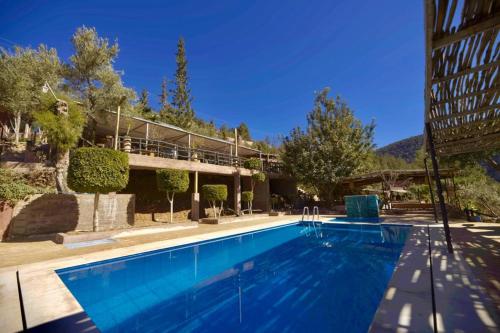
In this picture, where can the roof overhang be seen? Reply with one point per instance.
(461, 77)
(105, 124)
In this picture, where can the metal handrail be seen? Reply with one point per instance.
(174, 151)
(315, 210)
(304, 210)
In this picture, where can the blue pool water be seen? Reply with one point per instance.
(294, 278)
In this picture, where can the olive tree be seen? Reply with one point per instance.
(172, 181)
(91, 75)
(23, 73)
(214, 194)
(97, 170)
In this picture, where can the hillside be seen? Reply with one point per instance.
(404, 149)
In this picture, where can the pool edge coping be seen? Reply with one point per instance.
(42, 287)
(46, 297)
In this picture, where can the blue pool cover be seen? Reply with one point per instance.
(296, 278)
(358, 219)
(362, 205)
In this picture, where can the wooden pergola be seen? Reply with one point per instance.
(418, 176)
(462, 57)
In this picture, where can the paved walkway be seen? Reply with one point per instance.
(22, 253)
(467, 284)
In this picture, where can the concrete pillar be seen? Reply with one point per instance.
(195, 206)
(237, 193)
(195, 200)
(262, 195)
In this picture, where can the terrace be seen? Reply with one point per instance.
(191, 151)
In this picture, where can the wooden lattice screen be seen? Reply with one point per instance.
(462, 81)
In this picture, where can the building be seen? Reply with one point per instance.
(152, 145)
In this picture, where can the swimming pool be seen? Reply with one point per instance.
(294, 278)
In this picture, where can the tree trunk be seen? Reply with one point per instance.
(95, 219)
(62, 162)
(214, 208)
(171, 200)
(250, 207)
(17, 127)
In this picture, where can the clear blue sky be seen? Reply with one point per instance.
(254, 61)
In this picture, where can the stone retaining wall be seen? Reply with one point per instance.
(53, 213)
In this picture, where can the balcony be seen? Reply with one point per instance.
(154, 145)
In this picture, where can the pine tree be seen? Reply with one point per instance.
(181, 94)
(334, 145)
(142, 106)
(244, 132)
(164, 94)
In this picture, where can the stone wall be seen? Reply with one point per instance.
(5, 217)
(53, 213)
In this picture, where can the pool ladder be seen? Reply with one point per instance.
(315, 213)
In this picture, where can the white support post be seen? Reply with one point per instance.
(117, 129)
(195, 200)
(235, 142)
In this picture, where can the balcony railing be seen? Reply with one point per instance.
(170, 150)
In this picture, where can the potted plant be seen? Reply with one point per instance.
(127, 141)
(471, 212)
(194, 152)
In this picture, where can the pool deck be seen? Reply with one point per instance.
(466, 283)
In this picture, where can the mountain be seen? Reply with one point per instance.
(404, 149)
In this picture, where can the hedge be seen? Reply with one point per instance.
(98, 170)
(259, 177)
(172, 181)
(214, 192)
(253, 164)
(247, 196)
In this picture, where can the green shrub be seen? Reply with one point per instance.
(214, 192)
(259, 177)
(14, 191)
(172, 181)
(14, 188)
(98, 170)
(253, 164)
(62, 132)
(247, 196)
